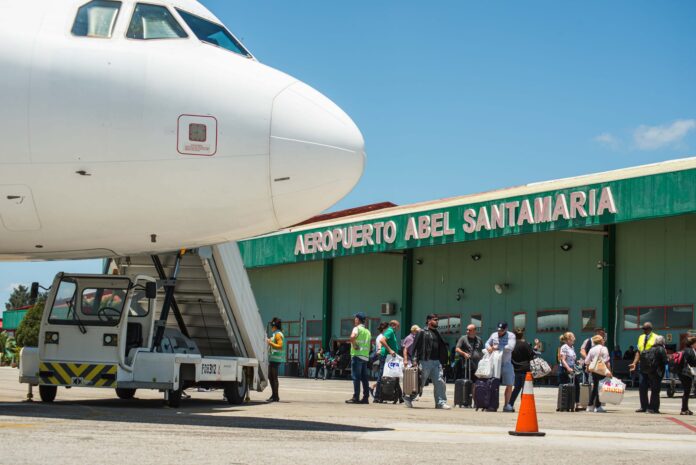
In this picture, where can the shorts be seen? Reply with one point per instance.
(507, 376)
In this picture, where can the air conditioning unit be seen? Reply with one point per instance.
(388, 309)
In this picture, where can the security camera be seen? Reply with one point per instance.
(600, 265)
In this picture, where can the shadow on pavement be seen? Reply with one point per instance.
(192, 413)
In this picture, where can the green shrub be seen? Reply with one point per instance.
(28, 331)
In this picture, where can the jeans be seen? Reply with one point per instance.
(686, 384)
(378, 387)
(594, 396)
(432, 369)
(359, 374)
(519, 384)
(653, 383)
(273, 378)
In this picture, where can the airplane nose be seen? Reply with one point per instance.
(317, 154)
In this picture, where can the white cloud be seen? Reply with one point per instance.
(608, 140)
(655, 137)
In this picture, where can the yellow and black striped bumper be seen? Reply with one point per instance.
(77, 374)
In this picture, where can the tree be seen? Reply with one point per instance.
(28, 332)
(20, 297)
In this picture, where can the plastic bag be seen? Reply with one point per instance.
(490, 365)
(393, 367)
(611, 391)
(497, 363)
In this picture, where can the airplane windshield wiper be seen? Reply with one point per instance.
(71, 308)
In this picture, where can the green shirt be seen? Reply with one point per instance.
(390, 338)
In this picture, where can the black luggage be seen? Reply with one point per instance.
(487, 394)
(463, 388)
(566, 398)
(389, 389)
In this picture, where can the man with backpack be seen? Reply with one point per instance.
(649, 380)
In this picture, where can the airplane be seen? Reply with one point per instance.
(138, 127)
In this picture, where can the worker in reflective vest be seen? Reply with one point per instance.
(647, 381)
(321, 363)
(276, 356)
(360, 356)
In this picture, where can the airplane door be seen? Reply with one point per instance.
(17, 210)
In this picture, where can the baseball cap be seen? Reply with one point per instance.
(360, 316)
(502, 325)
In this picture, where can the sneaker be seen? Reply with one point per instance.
(656, 412)
(600, 409)
(352, 400)
(443, 406)
(407, 401)
(640, 410)
(272, 399)
(590, 409)
(508, 408)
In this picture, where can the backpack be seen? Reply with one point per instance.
(647, 361)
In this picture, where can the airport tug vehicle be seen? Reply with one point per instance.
(101, 331)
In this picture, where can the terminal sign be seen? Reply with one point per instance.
(515, 214)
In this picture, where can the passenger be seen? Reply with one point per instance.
(566, 369)
(360, 355)
(407, 345)
(522, 354)
(629, 354)
(538, 347)
(657, 357)
(645, 343)
(585, 347)
(616, 354)
(389, 347)
(321, 364)
(276, 356)
(470, 350)
(504, 341)
(430, 351)
(561, 343)
(311, 361)
(597, 350)
(686, 375)
(376, 358)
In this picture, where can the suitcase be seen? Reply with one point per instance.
(566, 398)
(411, 382)
(585, 391)
(389, 389)
(486, 395)
(463, 389)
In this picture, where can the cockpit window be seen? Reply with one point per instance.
(96, 19)
(212, 33)
(153, 22)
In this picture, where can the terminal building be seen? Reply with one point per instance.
(610, 250)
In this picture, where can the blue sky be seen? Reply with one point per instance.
(456, 97)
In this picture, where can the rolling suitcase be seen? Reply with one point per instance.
(389, 389)
(463, 389)
(566, 398)
(486, 396)
(585, 391)
(411, 382)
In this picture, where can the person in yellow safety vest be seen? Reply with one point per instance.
(320, 363)
(648, 381)
(360, 356)
(276, 356)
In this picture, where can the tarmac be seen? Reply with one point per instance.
(313, 424)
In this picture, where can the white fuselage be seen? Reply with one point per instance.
(96, 156)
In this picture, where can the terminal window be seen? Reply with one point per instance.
(346, 327)
(661, 316)
(519, 320)
(552, 321)
(477, 320)
(589, 319)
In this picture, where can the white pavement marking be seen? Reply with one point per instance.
(600, 440)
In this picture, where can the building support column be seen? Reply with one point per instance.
(609, 285)
(327, 304)
(407, 293)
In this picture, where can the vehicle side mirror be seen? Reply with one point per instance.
(150, 290)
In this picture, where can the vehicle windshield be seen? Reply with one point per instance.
(212, 33)
(92, 306)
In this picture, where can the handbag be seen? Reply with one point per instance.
(599, 367)
(539, 367)
(393, 367)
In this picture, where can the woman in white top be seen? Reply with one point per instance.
(566, 370)
(596, 352)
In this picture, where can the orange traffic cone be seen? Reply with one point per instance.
(527, 419)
